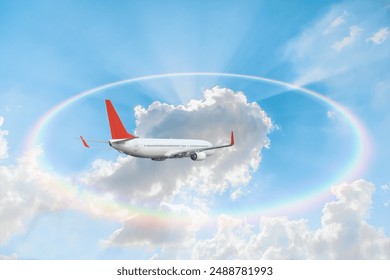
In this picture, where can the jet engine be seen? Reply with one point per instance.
(198, 156)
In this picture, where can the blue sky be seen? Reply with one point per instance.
(292, 173)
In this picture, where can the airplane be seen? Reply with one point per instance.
(157, 149)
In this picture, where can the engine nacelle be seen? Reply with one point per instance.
(198, 156)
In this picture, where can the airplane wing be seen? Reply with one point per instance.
(189, 152)
(86, 145)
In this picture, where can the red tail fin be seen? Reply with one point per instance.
(118, 131)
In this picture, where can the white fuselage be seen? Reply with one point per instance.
(158, 148)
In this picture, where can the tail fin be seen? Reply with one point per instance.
(118, 131)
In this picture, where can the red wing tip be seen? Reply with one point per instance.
(84, 142)
(232, 138)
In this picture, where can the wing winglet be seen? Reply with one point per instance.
(232, 139)
(84, 142)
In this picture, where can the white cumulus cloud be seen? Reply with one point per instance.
(184, 181)
(380, 36)
(344, 233)
(211, 118)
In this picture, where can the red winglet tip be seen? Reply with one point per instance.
(84, 143)
(232, 139)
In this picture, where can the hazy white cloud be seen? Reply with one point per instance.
(11, 257)
(354, 33)
(25, 190)
(3, 141)
(330, 114)
(385, 187)
(380, 36)
(333, 48)
(149, 231)
(335, 23)
(175, 230)
(339, 20)
(381, 97)
(344, 233)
